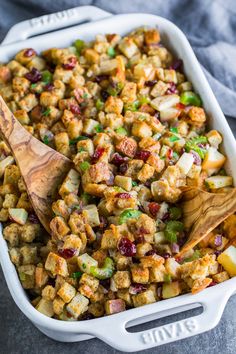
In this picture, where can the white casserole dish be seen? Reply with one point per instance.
(112, 329)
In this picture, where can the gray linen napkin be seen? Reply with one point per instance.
(210, 25)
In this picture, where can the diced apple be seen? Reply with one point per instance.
(164, 102)
(159, 238)
(85, 262)
(171, 290)
(91, 214)
(169, 113)
(4, 163)
(185, 162)
(228, 260)
(45, 306)
(213, 161)
(216, 182)
(18, 215)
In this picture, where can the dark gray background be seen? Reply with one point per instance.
(210, 26)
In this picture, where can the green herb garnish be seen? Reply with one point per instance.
(99, 128)
(45, 140)
(174, 138)
(174, 130)
(47, 77)
(133, 107)
(129, 214)
(76, 275)
(172, 230)
(33, 86)
(81, 137)
(46, 112)
(134, 184)
(79, 45)
(195, 255)
(99, 104)
(192, 144)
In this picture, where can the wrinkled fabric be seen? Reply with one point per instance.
(210, 26)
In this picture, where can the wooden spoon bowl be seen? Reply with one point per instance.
(41, 167)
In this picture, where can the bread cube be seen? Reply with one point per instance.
(157, 273)
(73, 241)
(29, 232)
(122, 279)
(11, 175)
(141, 129)
(128, 47)
(10, 201)
(143, 298)
(59, 227)
(15, 256)
(90, 212)
(145, 173)
(140, 274)
(29, 254)
(49, 292)
(56, 265)
(41, 277)
(220, 277)
(214, 138)
(159, 89)
(11, 233)
(109, 239)
(127, 146)
(45, 307)
(143, 248)
(66, 292)
(172, 267)
(28, 102)
(197, 115)
(113, 105)
(78, 305)
(90, 281)
(58, 305)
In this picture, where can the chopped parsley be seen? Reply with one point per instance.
(81, 137)
(76, 275)
(99, 128)
(174, 130)
(111, 52)
(174, 138)
(81, 149)
(134, 184)
(46, 112)
(45, 140)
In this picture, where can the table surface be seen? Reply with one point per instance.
(19, 336)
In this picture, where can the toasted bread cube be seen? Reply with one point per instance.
(159, 89)
(58, 305)
(200, 284)
(171, 290)
(90, 212)
(114, 306)
(109, 239)
(11, 233)
(62, 143)
(59, 227)
(73, 241)
(11, 175)
(113, 105)
(128, 93)
(70, 184)
(125, 295)
(29, 254)
(143, 248)
(28, 102)
(89, 126)
(220, 277)
(49, 292)
(27, 276)
(10, 201)
(78, 305)
(127, 146)
(143, 298)
(60, 209)
(141, 129)
(91, 56)
(215, 182)
(56, 265)
(15, 256)
(45, 307)
(197, 114)
(90, 281)
(29, 232)
(152, 36)
(66, 292)
(170, 76)
(123, 182)
(146, 173)
(140, 274)
(85, 262)
(144, 71)
(41, 277)
(122, 279)
(128, 47)
(157, 273)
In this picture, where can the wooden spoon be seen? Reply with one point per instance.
(41, 167)
(203, 211)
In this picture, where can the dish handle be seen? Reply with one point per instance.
(212, 300)
(54, 21)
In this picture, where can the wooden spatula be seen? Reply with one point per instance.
(203, 211)
(41, 167)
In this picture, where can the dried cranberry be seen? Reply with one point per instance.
(33, 218)
(67, 252)
(165, 216)
(104, 95)
(123, 168)
(97, 154)
(180, 106)
(177, 64)
(172, 89)
(148, 183)
(117, 159)
(213, 283)
(137, 288)
(34, 75)
(166, 255)
(169, 154)
(153, 208)
(150, 83)
(49, 87)
(71, 63)
(123, 195)
(142, 155)
(100, 78)
(150, 253)
(29, 52)
(142, 231)
(105, 283)
(87, 316)
(196, 158)
(126, 247)
(75, 109)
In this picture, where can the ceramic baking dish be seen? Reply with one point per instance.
(112, 329)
